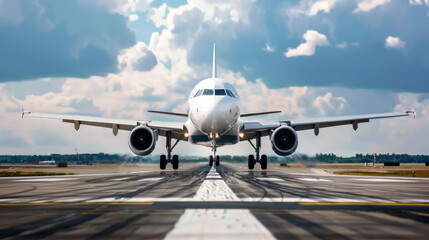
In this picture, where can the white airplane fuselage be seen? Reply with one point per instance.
(214, 112)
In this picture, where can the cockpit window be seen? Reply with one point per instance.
(208, 92)
(230, 93)
(198, 93)
(220, 92)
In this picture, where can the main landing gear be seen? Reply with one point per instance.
(263, 160)
(214, 158)
(163, 160)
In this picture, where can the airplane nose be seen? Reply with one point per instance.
(216, 116)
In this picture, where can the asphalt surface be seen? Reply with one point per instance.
(197, 202)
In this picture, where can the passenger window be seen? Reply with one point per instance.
(208, 92)
(220, 92)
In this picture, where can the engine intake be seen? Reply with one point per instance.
(142, 140)
(284, 141)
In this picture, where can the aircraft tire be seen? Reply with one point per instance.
(162, 162)
(217, 161)
(175, 162)
(211, 161)
(251, 162)
(264, 161)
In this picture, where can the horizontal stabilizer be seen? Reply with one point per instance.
(169, 113)
(258, 113)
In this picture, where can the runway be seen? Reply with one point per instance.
(199, 202)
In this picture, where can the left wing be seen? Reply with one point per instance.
(115, 124)
(250, 128)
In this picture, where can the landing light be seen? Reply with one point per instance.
(217, 135)
(186, 135)
(241, 135)
(211, 135)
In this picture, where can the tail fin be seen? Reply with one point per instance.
(214, 61)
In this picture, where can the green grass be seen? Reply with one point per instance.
(399, 173)
(31, 174)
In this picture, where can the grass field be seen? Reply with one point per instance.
(31, 174)
(390, 173)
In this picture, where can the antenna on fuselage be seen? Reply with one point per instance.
(214, 61)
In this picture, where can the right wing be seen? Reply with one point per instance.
(176, 128)
(250, 128)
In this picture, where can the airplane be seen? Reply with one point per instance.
(214, 119)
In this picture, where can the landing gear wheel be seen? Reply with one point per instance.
(264, 161)
(162, 162)
(217, 161)
(175, 162)
(211, 161)
(251, 161)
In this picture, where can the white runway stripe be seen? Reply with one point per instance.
(314, 180)
(217, 223)
(382, 180)
(270, 179)
(150, 179)
(45, 179)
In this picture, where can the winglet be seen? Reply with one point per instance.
(23, 113)
(214, 61)
(413, 112)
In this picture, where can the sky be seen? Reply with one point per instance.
(120, 58)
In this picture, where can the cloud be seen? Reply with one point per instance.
(134, 17)
(268, 48)
(419, 2)
(311, 8)
(368, 5)
(394, 42)
(341, 45)
(48, 39)
(328, 103)
(312, 39)
(137, 57)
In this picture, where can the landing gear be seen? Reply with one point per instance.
(163, 160)
(263, 160)
(214, 158)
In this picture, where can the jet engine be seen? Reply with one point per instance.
(284, 140)
(142, 140)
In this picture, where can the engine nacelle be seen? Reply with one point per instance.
(142, 140)
(284, 140)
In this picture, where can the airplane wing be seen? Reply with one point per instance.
(250, 128)
(115, 124)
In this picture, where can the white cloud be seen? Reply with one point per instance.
(308, 48)
(394, 42)
(268, 48)
(328, 103)
(341, 45)
(133, 17)
(368, 5)
(312, 8)
(419, 2)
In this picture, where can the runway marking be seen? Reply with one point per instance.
(217, 223)
(381, 180)
(120, 179)
(363, 204)
(139, 172)
(270, 179)
(355, 176)
(44, 179)
(150, 179)
(314, 179)
(74, 203)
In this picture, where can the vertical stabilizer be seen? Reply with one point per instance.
(214, 61)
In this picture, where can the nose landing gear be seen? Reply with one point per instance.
(214, 158)
(263, 159)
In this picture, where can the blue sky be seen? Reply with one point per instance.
(308, 58)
